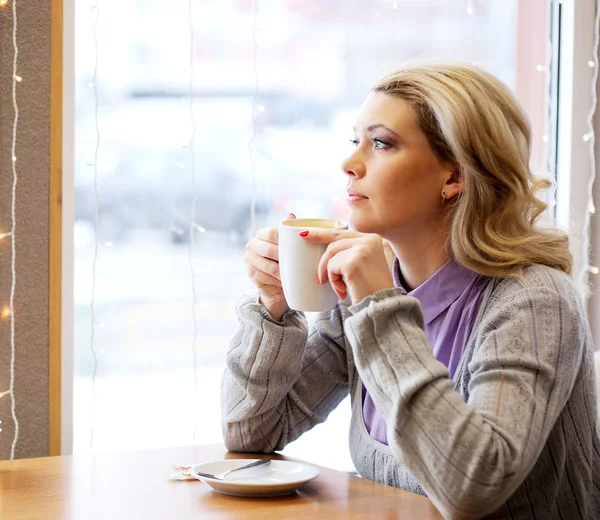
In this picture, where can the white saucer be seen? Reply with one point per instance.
(280, 477)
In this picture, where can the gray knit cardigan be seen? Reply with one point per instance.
(515, 433)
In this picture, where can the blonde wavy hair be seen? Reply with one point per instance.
(474, 122)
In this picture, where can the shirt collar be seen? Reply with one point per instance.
(440, 290)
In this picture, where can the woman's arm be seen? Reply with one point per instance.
(470, 457)
(279, 381)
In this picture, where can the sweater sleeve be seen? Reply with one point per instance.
(279, 380)
(469, 457)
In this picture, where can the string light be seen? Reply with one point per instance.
(3, 3)
(7, 311)
(5, 235)
(470, 8)
(591, 63)
(347, 62)
(394, 24)
(18, 78)
(552, 117)
(589, 137)
(93, 85)
(254, 106)
(541, 68)
(193, 224)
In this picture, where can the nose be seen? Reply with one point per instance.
(354, 165)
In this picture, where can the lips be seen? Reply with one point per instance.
(352, 193)
(354, 196)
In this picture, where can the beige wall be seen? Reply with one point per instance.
(32, 210)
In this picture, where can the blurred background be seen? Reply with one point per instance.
(275, 87)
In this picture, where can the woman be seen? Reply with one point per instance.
(470, 365)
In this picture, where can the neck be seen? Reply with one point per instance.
(420, 253)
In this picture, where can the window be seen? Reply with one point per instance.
(275, 88)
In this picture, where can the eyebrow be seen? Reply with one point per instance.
(379, 125)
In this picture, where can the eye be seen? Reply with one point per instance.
(381, 145)
(355, 142)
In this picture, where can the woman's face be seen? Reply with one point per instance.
(395, 181)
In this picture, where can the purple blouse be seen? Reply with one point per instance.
(450, 299)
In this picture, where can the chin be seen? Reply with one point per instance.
(362, 225)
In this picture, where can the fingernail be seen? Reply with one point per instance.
(318, 279)
(292, 215)
(304, 233)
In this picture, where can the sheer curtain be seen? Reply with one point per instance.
(209, 108)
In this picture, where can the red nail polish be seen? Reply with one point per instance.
(304, 233)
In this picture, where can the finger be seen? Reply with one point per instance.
(270, 234)
(266, 249)
(339, 286)
(263, 264)
(326, 236)
(333, 249)
(334, 273)
(261, 279)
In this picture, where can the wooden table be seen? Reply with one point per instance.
(133, 485)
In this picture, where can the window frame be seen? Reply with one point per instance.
(572, 173)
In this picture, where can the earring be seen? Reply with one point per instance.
(443, 197)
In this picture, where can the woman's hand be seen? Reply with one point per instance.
(262, 264)
(354, 263)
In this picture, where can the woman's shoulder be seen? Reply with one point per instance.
(537, 282)
(541, 305)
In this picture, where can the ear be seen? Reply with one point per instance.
(454, 183)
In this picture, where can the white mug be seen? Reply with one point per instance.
(298, 263)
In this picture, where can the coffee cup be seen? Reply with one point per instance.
(298, 263)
